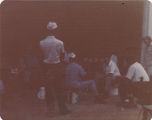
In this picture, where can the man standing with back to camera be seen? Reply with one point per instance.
(53, 54)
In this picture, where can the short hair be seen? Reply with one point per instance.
(132, 59)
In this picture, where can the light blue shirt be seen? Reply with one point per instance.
(74, 72)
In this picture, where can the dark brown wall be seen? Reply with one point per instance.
(91, 28)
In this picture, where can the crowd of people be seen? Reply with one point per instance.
(61, 71)
(71, 74)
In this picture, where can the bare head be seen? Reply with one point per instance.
(147, 40)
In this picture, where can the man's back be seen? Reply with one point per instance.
(136, 71)
(74, 72)
(52, 49)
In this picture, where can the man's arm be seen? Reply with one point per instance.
(130, 73)
(112, 69)
(41, 55)
(82, 71)
(62, 54)
(109, 75)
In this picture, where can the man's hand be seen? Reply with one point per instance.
(109, 75)
(62, 55)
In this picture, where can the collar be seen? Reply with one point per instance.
(51, 37)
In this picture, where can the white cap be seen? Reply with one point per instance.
(72, 55)
(51, 25)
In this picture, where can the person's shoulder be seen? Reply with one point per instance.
(59, 41)
(72, 65)
(79, 66)
(134, 65)
(76, 65)
(41, 41)
(138, 63)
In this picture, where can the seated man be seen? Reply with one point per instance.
(30, 68)
(75, 73)
(136, 74)
(111, 74)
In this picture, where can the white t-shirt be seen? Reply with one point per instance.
(136, 71)
(114, 58)
(52, 48)
(112, 68)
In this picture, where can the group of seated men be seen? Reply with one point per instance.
(75, 75)
(108, 76)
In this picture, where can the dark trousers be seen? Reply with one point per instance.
(140, 90)
(100, 82)
(54, 81)
(124, 89)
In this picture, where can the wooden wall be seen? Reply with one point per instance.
(90, 28)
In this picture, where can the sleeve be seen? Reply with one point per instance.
(130, 73)
(117, 70)
(82, 71)
(62, 47)
(112, 68)
(61, 50)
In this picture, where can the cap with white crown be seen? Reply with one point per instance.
(72, 55)
(51, 25)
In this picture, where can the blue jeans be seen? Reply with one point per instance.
(86, 84)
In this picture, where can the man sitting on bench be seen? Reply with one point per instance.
(135, 76)
(74, 75)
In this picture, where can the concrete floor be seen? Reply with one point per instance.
(24, 105)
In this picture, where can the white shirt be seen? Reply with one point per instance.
(112, 68)
(114, 58)
(136, 71)
(52, 48)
